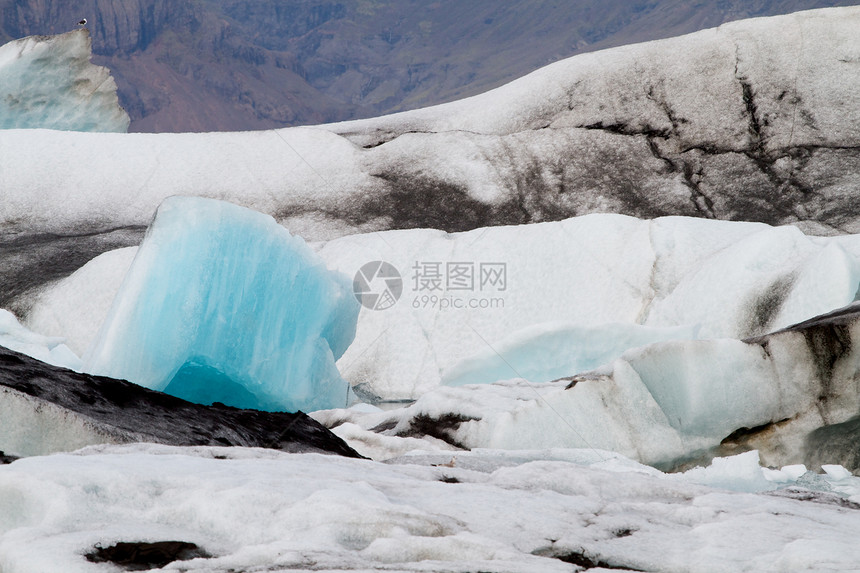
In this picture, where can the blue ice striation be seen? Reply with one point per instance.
(222, 304)
(48, 82)
(550, 351)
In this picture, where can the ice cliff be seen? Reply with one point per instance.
(221, 304)
(48, 82)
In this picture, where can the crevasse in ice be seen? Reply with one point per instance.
(222, 304)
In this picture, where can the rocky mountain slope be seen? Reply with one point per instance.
(234, 64)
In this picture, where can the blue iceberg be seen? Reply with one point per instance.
(222, 304)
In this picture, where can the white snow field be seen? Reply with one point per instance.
(48, 82)
(494, 511)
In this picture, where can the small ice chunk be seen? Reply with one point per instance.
(814, 481)
(794, 471)
(777, 476)
(836, 471)
(552, 350)
(737, 473)
(366, 408)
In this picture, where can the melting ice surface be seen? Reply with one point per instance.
(485, 510)
(222, 304)
(48, 82)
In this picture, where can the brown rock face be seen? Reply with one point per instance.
(119, 27)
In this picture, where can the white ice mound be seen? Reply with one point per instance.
(48, 82)
(578, 293)
(792, 395)
(222, 304)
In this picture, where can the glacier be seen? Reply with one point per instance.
(655, 333)
(742, 122)
(702, 278)
(514, 432)
(48, 82)
(222, 304)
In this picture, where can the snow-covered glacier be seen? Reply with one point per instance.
(519, 376)
(48, 82)
(222, 304)
(742, 122)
